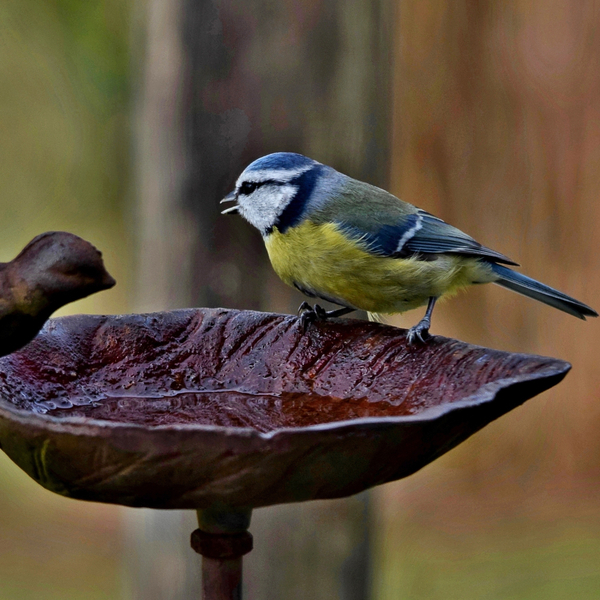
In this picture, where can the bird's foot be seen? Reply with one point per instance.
(420, 332)
(307, 315)
(310, 314)
(304, 307)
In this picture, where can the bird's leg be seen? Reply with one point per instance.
(338, 312)
(309, 314)
(421, 330)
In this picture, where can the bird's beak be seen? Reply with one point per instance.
(107, 281)
(232, 210)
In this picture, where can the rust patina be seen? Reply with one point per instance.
(203, 407)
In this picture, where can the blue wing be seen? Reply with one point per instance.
(418, 233)
(386, 226)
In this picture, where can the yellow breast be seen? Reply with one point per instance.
(320, 259)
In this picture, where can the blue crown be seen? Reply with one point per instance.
(281, 161)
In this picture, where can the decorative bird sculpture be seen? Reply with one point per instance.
(55, 268)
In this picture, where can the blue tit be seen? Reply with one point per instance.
(358, 246)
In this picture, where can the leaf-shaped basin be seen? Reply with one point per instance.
(202, 407)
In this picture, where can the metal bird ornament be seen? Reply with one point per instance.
(55, 268)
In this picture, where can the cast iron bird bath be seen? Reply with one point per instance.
(223, 411)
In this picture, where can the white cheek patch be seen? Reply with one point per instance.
(263, 207)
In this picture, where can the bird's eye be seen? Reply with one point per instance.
(248, 187)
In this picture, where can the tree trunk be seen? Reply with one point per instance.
(226, 82)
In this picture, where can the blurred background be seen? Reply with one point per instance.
(125, 121)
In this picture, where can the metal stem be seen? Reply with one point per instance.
(222, 540)
(221, 579)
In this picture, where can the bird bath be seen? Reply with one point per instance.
(223, 411)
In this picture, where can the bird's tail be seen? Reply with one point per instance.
(375, 317)
(538, 291)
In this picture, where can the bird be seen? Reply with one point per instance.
(359, 247)
(53, 269)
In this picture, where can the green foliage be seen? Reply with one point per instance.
(64, 165)
(64, 155)
(511, 561)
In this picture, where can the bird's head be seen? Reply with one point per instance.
(62, 267)
(276, 190)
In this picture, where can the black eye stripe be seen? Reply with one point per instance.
(250, 186)
(247, 187)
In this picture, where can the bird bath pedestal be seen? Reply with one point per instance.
(223, 411)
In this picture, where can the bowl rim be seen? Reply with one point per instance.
(554, 371)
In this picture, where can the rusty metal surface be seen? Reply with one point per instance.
(221, 579)
(192, 408)
(221, 546)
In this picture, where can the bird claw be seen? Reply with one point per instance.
(321, 313)
(310, 314)
(420, 332)
(306, 318)
(305, 306)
